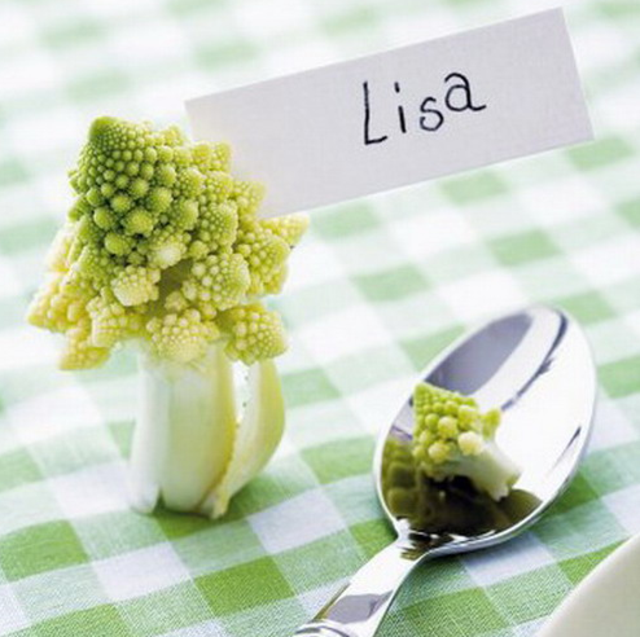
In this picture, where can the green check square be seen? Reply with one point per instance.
(27, 235)
(214, 55)
(578, 493)
(40, 548)
(577, 568)
(460, 614)
(117, 532)
(353, 19)
(71, 32)
(340, 459)
(630, 211)
(99, 84)
(393, 284)
(422, 349)
(307, 386)
(346, 220)
(372, 536)
(470, 189)
(17, 467)
(622, 377)
(587, 307)
(620, 9)
(175, 525)
(245, 586)
(530, 595)
(605, 151)
(12, 171)
(101, 621)
(523, 247)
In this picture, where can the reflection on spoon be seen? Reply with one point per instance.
(536, 366)
(453, 507)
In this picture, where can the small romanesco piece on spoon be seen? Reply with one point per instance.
(453, 438)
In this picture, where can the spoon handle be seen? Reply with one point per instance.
(358, 609)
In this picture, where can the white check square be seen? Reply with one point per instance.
(297, 521)
(492, 292)
(141, 572)
(52, 413)
(625, 506)
(519, 556)
(12, 617)
(92, 491)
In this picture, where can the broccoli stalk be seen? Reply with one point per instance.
(452, 438)
(257, 436)
(163, 247)
(189, 450)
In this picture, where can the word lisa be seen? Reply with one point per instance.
(431, 113)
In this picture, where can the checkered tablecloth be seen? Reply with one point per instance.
(377, 288)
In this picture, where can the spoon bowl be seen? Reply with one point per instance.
(536, 366)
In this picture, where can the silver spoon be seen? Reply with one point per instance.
(537, 366)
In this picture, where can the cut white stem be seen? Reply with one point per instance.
(491, 471)
(188, 448)
(258, 436)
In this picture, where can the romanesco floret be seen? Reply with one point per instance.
(451, 506)
(254, 333)
(162, 244)
(453, 438)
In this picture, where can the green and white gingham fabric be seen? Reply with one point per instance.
(377, 288)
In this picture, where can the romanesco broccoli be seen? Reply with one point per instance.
(446, 506)
(452, 438)
(159, 243)
(162, 246)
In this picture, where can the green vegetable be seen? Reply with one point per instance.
(447, 506)
(452, 438)
(163, 247)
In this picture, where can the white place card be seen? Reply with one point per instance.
(402, 116)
